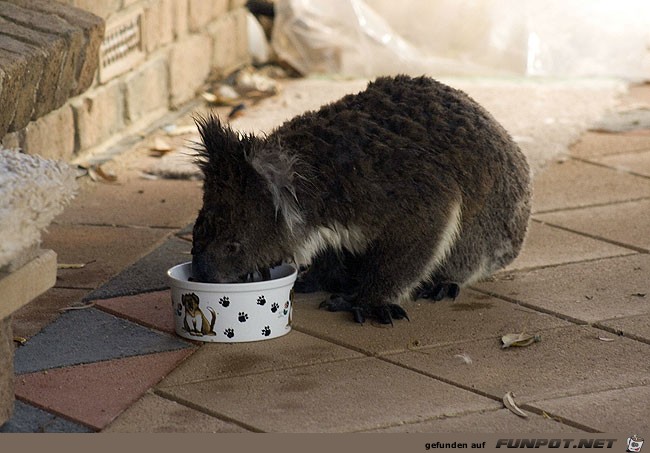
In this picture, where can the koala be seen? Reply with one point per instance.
(407, 189)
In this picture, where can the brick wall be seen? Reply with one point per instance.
(173, 45)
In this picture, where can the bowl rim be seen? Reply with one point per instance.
(231, 287)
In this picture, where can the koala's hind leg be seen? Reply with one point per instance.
(330, 271)
(394, 264)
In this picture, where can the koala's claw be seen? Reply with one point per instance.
(384, 314)
(438, 291)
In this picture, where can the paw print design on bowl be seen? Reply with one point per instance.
(242, 312)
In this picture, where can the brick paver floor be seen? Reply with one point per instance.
(582, 284)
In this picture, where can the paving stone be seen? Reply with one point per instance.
(148, 274)
(470, 316)
(159, 203)
(148, 309)
(104, 250)
(638, 163)
(89, 335)
(548, 246)
(586, 292)
(574, 184)
(43, 310)
(626, 223)
(567, 361)
(501, 420)
(602, 144)
(153, 414)
(637, 327)
(94, 394)
(30, 419)
(349, 395)
(218, 361)
(625, 410)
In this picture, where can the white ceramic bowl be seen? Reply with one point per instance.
(232, 312)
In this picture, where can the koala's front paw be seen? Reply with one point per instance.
(382, 313)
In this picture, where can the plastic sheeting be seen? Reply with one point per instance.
(557, 38)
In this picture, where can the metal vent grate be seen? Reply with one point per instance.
(122, 47)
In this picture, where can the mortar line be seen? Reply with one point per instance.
(599, 164)
(593, 205)
(592, 236)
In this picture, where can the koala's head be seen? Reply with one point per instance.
(247, 215)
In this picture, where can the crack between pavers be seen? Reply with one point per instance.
(115, 225)
(618, 169)
(526, 406)
(223, 417)
(256, 373)
(593, 236)
(593, 205)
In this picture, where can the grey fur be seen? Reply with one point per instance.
(407, 184)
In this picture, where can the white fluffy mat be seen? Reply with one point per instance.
(33, 191)
(544, 116)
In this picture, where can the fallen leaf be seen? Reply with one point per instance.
(78, 307)
(70, 266)
(98, 174)
(465, 358)
(509, 402)
(161, 146)
(179, 130)
(605, 339)
(20, 340)
(518, 339)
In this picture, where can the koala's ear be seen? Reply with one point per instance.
(219, 144)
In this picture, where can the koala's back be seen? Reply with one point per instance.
(413, 148)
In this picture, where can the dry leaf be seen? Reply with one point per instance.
(20, 340)
(73, 265)
(174, 130)
(98, 174)
(161, 146)
(465, 358)
(509, 402)
(518, 339)
(70, 266)
(78, 307)
(605, 339)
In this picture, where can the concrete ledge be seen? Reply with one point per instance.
(17, 289)
(26, 283)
